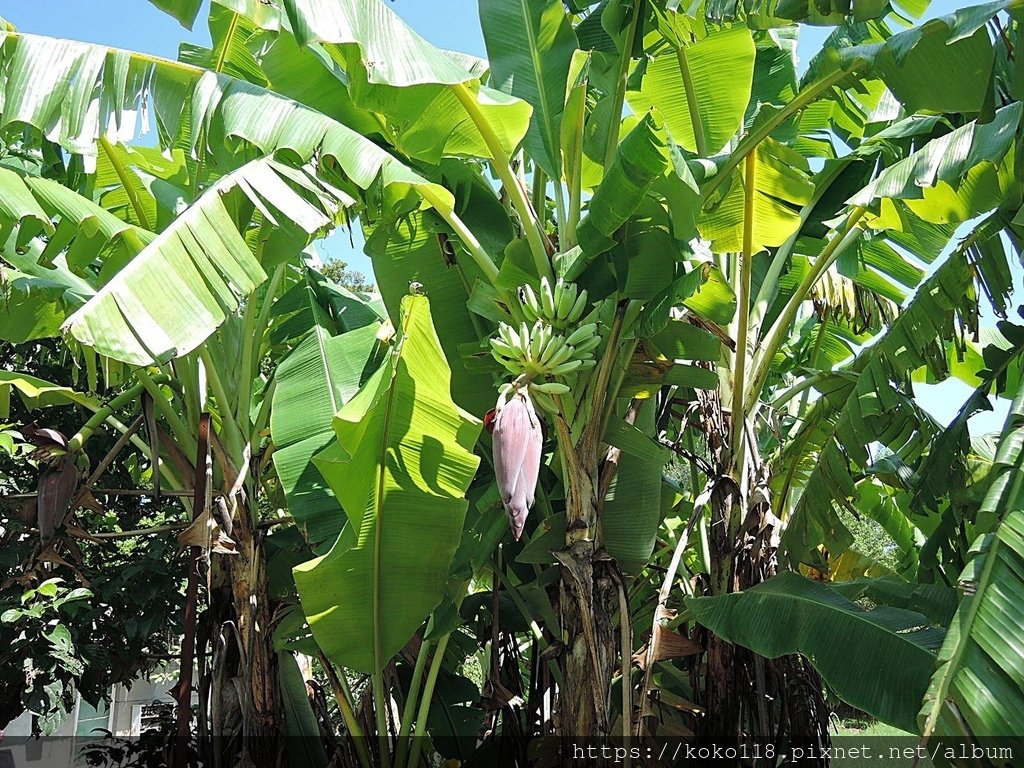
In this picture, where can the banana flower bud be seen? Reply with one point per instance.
(517, 441)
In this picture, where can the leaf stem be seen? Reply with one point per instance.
(781, 327)
(465, 234)
(181, 432)
(503, 167)
(801, 386)
(691, 102)
(428, 694)
(761, 131)
(228, 424)
(770, 283)
(123, 177)
(619, 97)
(343, 696)
(380, 711)
(738, 415)
(106, 411)
(412, 699)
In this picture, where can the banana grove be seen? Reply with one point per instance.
(595, 463)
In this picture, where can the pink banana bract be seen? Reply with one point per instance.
(517, 440)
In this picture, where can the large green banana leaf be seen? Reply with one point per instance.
(248, 41)
(701, 87)
(37, 393)
(302, 733)
(313, 383)
(976, 691)
(530, 44)
(908, 61)
(30, 307)
(409, 250)
(782, 187)
(75, 90)
(632, 508)
(400, 469)
(947, 160)
(878, 660)
(393, 71)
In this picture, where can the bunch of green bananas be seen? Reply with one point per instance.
(561, 307)
(547, 350)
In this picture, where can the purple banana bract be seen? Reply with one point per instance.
(517, 438)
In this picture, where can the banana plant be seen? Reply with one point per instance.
(697, 284)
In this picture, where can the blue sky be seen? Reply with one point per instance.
(137, 25)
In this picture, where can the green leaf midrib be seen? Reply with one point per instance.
(541, 84)
(378, 530)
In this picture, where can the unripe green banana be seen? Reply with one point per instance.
(555, 345)
(543, 401)
(509, 335)
(537, 341)
(513, 366)
(528, 312)
(567, 368)
(530, 300)
(546, 333)
(588, 364)
(565, 300)
(588, 345)
(560, 356)
(506, 349)
(551, 388)
(547, 298)
(578, 308)
(524, 340)
(582, 333)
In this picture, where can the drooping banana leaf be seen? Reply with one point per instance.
(400, 469)
(37, 393)
(85, 232)
(837, 432)
(30, 307)
(393, 71)
(175, 293)
(75, 90)
(878, 660)
(976, 691)
(955, 44)
(947, 160)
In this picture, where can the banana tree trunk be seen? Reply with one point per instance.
(261, 704)
(588, 599)
(749, 698)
